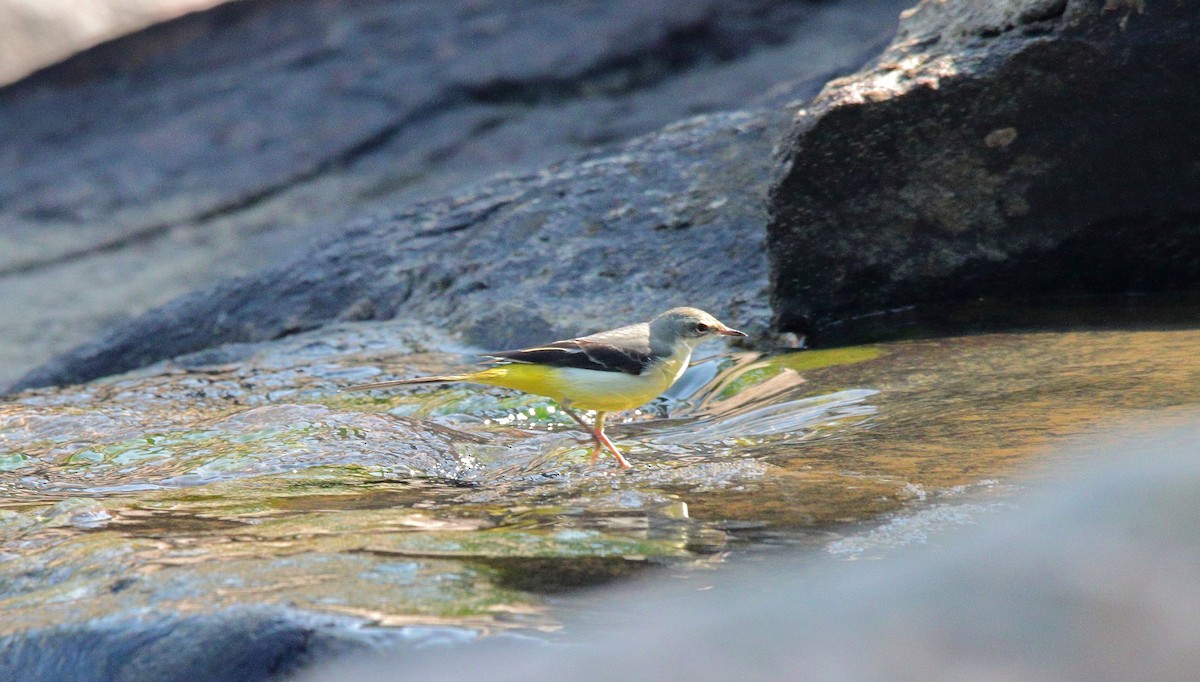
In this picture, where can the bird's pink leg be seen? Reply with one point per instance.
(597, 444)
(601, 441)
(598, 432)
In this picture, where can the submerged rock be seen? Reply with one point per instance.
(997, 149)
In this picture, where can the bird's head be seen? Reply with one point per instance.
(687, 325)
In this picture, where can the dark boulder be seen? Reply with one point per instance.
(1005, 149)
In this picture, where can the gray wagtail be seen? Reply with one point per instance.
(616, 370)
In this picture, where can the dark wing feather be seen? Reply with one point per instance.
(581, 354)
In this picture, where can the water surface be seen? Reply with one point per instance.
(255, 482)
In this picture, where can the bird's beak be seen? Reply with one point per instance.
(730, 332)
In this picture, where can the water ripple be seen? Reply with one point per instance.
(788, 417)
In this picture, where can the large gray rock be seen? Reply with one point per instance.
(1027, 147)
(222, 142)
(366, 110)
(675, 218)
(199, 117)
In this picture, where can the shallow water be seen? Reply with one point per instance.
(255, 482)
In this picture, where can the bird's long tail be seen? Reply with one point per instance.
(406, 382)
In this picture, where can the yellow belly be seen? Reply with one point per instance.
(587, 389)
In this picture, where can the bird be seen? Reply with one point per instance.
(609, 371)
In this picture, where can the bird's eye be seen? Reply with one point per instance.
(702, 328)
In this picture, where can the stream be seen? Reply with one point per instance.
(243, 478)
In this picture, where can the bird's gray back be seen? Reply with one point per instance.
(625, 349)
(634, 337)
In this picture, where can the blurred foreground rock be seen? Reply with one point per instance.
(1096, 580)
(1016, 148)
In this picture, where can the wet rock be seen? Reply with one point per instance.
(1003, 149)
(186, 503)
(224, 142)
